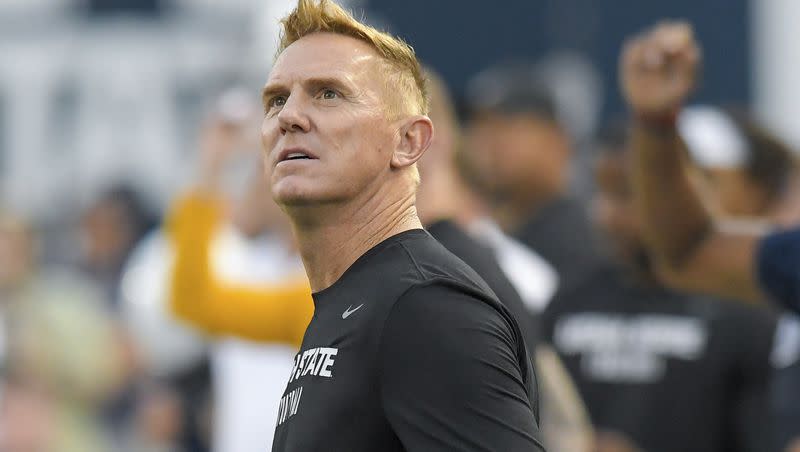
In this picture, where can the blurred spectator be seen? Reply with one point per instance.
(667, 370)
(695, 250)
(752, 174)
(158, 421)
(246, 282)
(110, 228)
(518, 157)
(61, 350)
(159, 350)
(447, 206)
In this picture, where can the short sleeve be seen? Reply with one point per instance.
(778, 267)
(451, 376)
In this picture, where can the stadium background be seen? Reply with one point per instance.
(92, 92)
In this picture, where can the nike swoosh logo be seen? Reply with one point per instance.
(349, 311)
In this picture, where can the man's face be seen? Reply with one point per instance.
(513, 152)
(613, 208)
(326, 131)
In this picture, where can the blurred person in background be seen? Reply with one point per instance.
(690, 248)
(694, 246)
(751, 175)
(236, 274)
(109, 229)
(233, 231)
(518, 156)
(157, 421)
(665, 370)
(448, 207)
(61, 352)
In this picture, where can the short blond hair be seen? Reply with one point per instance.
(404, 74)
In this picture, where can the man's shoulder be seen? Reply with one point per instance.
(454, 318)
(416, 271)
(454, 307)
(412, 259)
(415, 258)
(450, 297)
(435, 263)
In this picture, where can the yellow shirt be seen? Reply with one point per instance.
(275, 313)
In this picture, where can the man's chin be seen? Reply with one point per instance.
(290, 191)
(303, 197)
(293, 196)
(289, 200)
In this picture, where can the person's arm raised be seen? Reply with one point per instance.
(264, 313)
(658, 72)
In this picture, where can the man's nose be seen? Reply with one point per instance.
(293, 115)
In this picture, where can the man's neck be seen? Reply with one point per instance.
(330, 245)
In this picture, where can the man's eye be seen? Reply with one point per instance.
(277, 101)
(329, 94)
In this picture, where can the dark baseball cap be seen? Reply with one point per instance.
(512, 88)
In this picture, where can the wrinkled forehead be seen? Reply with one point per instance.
(326, 55)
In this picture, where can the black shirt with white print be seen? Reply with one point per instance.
(409, 351)
(669, 370)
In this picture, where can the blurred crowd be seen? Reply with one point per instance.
(135, 327)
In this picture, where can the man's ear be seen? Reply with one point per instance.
(416, 135)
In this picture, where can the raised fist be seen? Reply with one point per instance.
(658, 69)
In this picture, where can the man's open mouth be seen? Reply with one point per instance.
(297, 156)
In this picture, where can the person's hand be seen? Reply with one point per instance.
(220, 142)
(229, 132)
(658, 69)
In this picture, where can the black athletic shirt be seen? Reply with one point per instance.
(561, 233)
(673, 372)
(481, 259)
(409, 350)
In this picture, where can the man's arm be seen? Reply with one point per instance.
(451, 378)
(658, 71)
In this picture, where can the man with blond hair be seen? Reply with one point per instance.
(408, 348)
